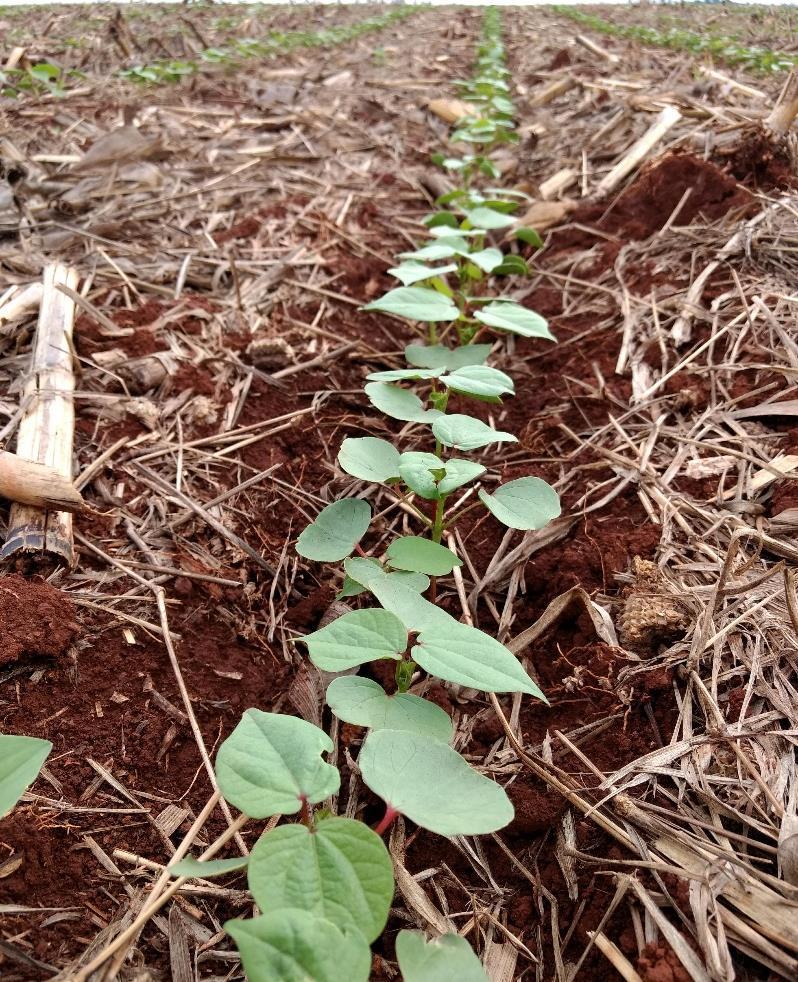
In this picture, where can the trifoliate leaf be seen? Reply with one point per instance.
(416, 303)
(527, 503)
(363, 702)
(420, 555)
(355, 638)
(431, 784)
(336, 531)
(369, 459)
(340, 871)
(467, 433)
(270, 763)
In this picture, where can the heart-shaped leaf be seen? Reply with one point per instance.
(417, 303)
(399, 403)
(297, 946)
(420, 555)
(206, 869)
(466, 655)
(431, 784)
(410, 272)
(512, 317)
(21, 759)
(363, 702)
(439, 356)
(340, 871)
(414, 581)
(369, 459)
(527, 503)
(271, 763)
(416, 613)
(479, 381)
(355, 638)
(467, 433)
(336, 531)
(441, 960)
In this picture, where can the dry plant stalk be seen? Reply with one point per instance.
(37, 485)
(784, 112)
(667, 119)
(47, 426)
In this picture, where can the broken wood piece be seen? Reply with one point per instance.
(732, 83)
(450, 110)
(558, 182)
(555, 88)
(784, 112)
(37, 485)
(596, 49)
(46, 429)
(16, 57)
(666, 120)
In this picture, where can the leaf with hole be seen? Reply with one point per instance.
(412, 552)
(399, 403)
(298, 946)
(270, 763)
(355, 638)
(507, 316)
(479, 382)
(467, 433)
(364, 702)
(429, 783)
(206, 869)
(21, 759)
(340, 871)
(463, 654)
(527, 503)
(369, 459)
(440, 960)
(416, 303)
(336, 531)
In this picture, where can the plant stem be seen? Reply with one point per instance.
(305, 816)
(387, 819)
(437, 523)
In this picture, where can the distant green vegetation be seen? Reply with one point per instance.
(724, 47)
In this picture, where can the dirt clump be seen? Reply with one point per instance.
(36, 620)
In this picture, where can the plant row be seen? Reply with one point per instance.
(49, 78)
(324, 884)
(728, 49)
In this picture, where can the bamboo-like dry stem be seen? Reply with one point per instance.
(46, 429)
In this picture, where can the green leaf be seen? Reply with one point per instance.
(270, 763)
(340, 871)
(431, 784)
(369, 458)
(416, 613)
(336, 531)
(418, 470)
(488, 219)
(479, 381)
(467, 433)
(416, 303)
(297, 946)
(440, 218)
(527, 503)
(487, 259)
(459, 472)
(409, 273)
(399, 403)
(414, 581)
(468, 656)
(441, 960)
(355, 638)
(21, 759)
(419, 555)
(530, 236)
(363, 702)
(516, 319)
(439, 356)
(404, 374)
(207, 869)
(512, 265)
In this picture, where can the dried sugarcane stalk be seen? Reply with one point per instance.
(596, 49)
(37, 485)
(784, 112)
(668, 118)
(46, 429)
(555, 88)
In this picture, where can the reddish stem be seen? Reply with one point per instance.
(360, 552)
(388, 817)
(304, 813)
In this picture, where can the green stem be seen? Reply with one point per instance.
(437, 522)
